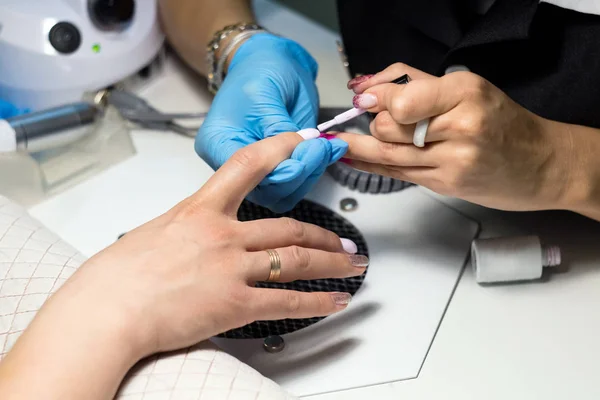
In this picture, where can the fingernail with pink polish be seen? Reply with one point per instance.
(358, 80)
(364, 101)
(309, 133)
(341, 299)
(359, 261)
(349, 246)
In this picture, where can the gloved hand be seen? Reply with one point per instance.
(7, 110)
(269, 89)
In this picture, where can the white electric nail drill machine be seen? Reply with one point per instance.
(52, 52)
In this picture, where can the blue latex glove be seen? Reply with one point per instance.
(7, 110)
(269, 89)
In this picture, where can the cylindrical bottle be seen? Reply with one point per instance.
(511, 259)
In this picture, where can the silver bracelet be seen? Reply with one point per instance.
(215, 44)
(241, 37)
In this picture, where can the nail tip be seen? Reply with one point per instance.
(359, 261)
(309, 133)
(353, 83)
(349, 246)
(342, 299)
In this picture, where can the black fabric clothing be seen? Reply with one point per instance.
(544, 57)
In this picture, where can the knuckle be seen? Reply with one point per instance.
(381, 124)
(324, 304)
(294, 227)
(223, 235)
(301, 257)
(293, 302)
(387, 150)
(402, 107)
(474, 85)
(333, 240)
(246, 158)
(240, 294)
(398, 67)
(220, 232)
(472, 123)
(468, 156)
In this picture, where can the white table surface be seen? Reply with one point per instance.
(526, 341)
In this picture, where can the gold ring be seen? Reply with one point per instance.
(275, 272)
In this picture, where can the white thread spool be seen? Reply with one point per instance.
(511, 259)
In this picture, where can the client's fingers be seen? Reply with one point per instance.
(299, 263)
(424, 176)
(246, 168)
(275, 304)
(283, 232)
(386, 129)
(370, 149)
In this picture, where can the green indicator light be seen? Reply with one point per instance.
(96, 48)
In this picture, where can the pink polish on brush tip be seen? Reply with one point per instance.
(341, 118)
(327, 136)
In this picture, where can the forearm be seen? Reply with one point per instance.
(75, 348)
(578, 148)
(191, 24)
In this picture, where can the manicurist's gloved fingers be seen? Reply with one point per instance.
(314, 155)
(338, 150)
(245, 169)
(269, 89)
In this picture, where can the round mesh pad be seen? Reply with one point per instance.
(305, 211)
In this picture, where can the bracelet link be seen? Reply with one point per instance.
(216, 64)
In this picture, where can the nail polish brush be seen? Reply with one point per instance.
(354, 112)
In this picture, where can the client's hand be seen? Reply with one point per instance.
(190, 274)
(177, 280)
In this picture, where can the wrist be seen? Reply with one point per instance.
(575, 175)
(91, 301)
(89, 337)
